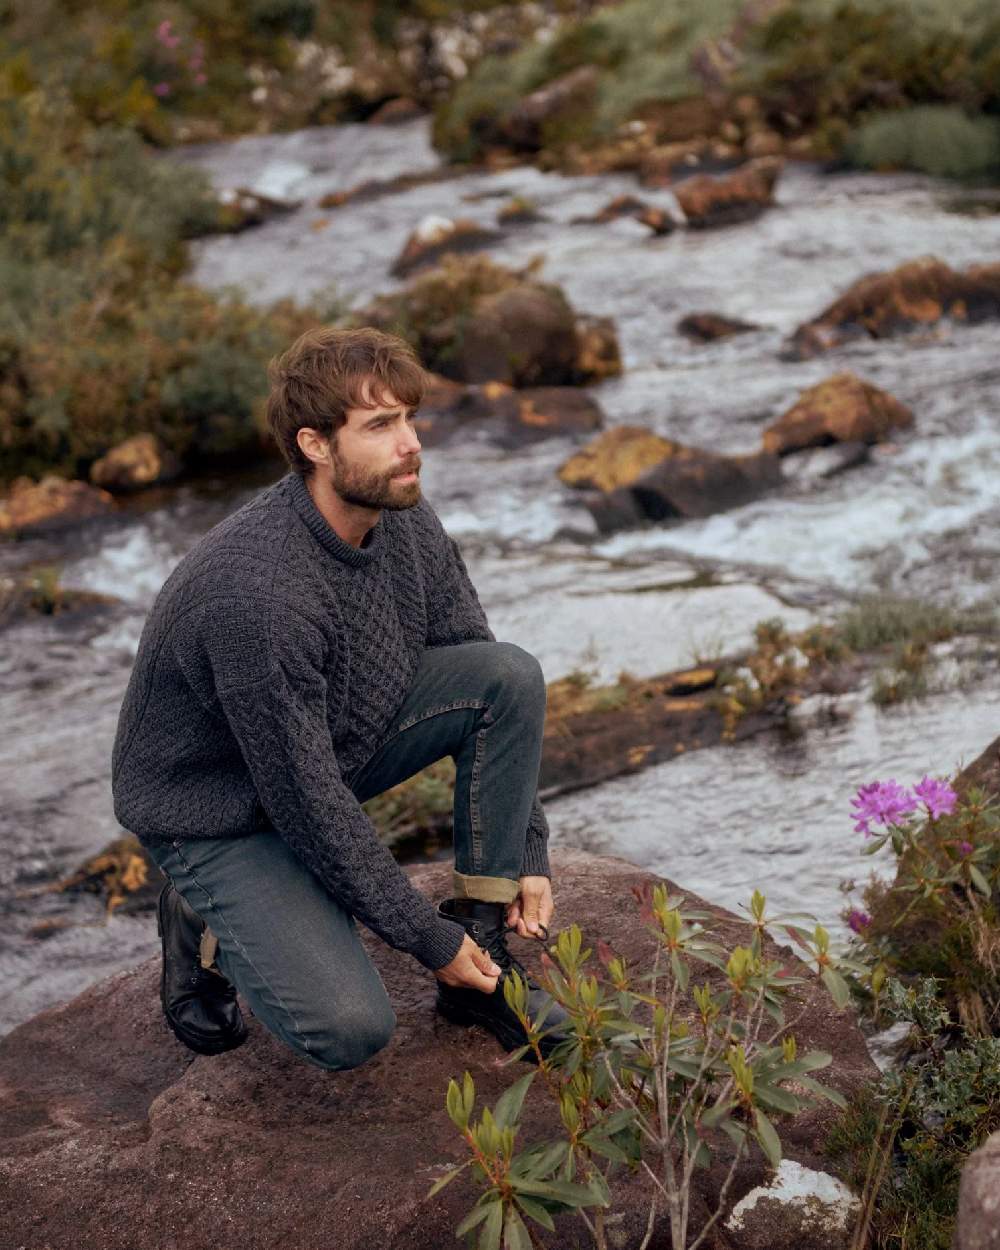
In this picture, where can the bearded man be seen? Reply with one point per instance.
(316, 648)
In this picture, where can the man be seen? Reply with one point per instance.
(317, 647)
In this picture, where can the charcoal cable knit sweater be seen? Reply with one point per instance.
(269, 669)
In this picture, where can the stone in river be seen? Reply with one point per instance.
(112, 1135)
(524, 335)
(840, 409)
(53, 503)
(616, 458)
(707, 327)
(139, 461)
(436, 236)
(740, 196)
(510, 417)
(696, 483)
(598, 354)
(919, 293)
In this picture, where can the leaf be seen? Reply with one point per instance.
(489, 1238)
(509, 1103)
(440, 1183)
(979, 881)
(679, 970)
(767, 1137)
(515, 1235)
(824, 1091)
(619, 1120)
(537, 1212)
(734, 1131)
(779, 1099)
(602, 1146)
(568, 1193)
(838, 987)
(542, 1162)
(475, 1216)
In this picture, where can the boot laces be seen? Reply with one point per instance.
(501, 953)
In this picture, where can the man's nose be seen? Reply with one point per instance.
(409, 443)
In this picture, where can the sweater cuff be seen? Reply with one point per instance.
(440, 945)
(536, 859)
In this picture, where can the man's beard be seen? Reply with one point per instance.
(368, 489)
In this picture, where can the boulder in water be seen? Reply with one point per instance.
(708, 327)
(616, 458)
(51, 504)
(708, 202)
(841, 409)
(139, 461)
(920, 293)
(435, 236)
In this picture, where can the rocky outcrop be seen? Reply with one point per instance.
(978, 1225)
(113, 1135)
(531, 123)
(239, 209)
(920, 293)
(53, 503)
(436, 236)
(508, 416)
(616, 458)
(658, 220)
(136, 463)
(841, 409)
(658, 480)
(708, 327)
(798, 1207)
(708, 202)
(474, 321)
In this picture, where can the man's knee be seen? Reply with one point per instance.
(517, 672)
(349, 1040)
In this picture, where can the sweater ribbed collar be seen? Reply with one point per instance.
(297, 493)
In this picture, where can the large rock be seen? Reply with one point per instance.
(919, 293)
(616, 458)
(530, 124)
(598, 354)
(436, 236)
(696, 483)
(979, 1199)
(524, 336)
(798, 1207)
(708, 327)
(138, 462)
(509, 417)
(53, 503)
(112, 1135)
(739, 196)
(840, 409)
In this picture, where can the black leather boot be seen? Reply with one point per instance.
(485, 924)
(199, 1003)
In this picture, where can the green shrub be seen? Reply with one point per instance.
(932, 138)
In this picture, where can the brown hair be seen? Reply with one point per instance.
(323, 374)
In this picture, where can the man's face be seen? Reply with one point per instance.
(375, 456)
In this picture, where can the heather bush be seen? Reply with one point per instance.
(659, 1075)
(935, 139)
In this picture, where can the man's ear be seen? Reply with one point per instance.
(313, 445)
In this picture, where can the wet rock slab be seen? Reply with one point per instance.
(113, 1135)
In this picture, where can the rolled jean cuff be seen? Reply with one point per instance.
(485, 889)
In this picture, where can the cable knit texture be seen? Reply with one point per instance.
(271, 666)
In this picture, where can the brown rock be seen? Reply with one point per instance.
(707, 327)
(680, 121)
(763, 141)
(53, 503)
(436, 236)
(524, 336)
(979, 1199)
(545, 411)
(112, 1135)
(841, 409)
(240, 209)
(919, 293)
(394, 112)
(696, 483)
(598, 355)
(620, 206)
(662, 164)
(616, 458)
(137, 462)
(740, 196)
(518, 212)
(528, 125)
(512, 417)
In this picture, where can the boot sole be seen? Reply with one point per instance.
(201, 1046)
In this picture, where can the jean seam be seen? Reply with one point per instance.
(477, 836)
(459, 706)
(243, 950)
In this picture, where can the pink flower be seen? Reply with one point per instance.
(165, 34)
(965, 848)
(162, 89)
(881, 803)
(200, 80)
(937, 796)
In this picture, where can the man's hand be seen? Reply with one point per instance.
(532, 910)
(472, 968)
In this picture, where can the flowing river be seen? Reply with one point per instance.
(922, 518)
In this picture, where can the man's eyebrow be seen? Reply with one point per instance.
(389, 412)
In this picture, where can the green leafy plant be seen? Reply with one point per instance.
(659, 1074)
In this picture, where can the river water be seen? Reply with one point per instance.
(922, 518)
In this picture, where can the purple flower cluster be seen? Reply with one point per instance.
(888, 803)
(937, 796)
(858, 920)
(881, 803)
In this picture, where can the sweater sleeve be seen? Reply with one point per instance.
(279, 720)
(455, 615)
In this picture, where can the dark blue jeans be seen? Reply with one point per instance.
(285, 942)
